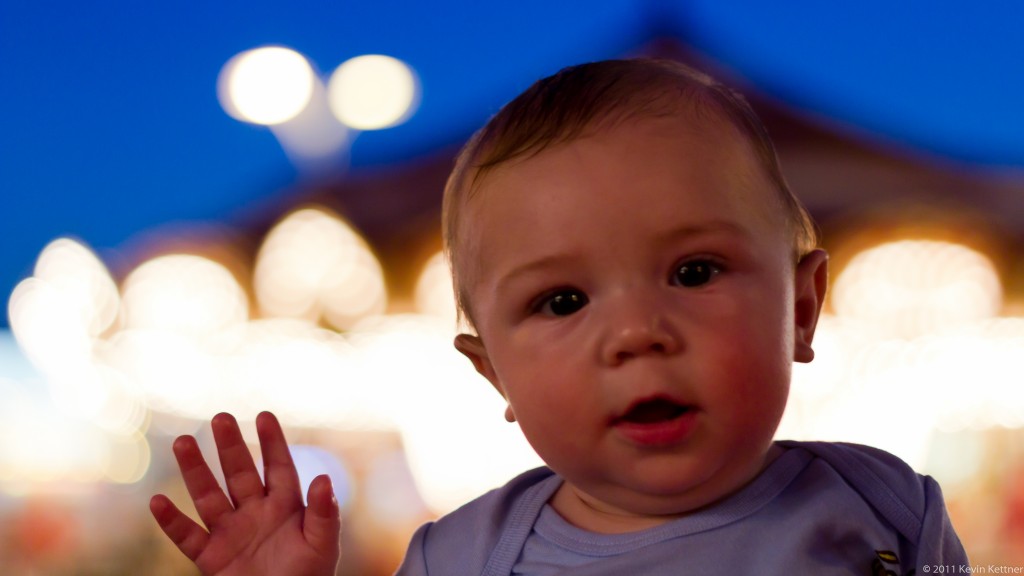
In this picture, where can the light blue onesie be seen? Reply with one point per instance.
(819, 509)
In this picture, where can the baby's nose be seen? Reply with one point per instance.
(638, 330)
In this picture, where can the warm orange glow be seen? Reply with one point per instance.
(434, 293)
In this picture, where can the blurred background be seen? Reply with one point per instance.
(234, 206)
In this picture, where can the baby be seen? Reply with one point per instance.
(639, 280)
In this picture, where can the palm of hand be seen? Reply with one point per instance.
(256, 539)
(262, 529)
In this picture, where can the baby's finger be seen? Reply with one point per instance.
(240, 474)
(321, 524)
(278, 468)
(209, 499)
(188, 536)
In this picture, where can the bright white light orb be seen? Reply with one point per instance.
(84, 281)
(269, 85)
(913, 287)
(58, 313)
(182, 293)
(312, 265)
(44, 323)
(372, 92)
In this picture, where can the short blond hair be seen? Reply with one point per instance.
(559, 108)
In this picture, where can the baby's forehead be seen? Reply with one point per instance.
(732, 145)
(669, 151)
(504, 150)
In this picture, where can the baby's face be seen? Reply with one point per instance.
(634, 294)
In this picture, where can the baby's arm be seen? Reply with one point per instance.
(258, 530)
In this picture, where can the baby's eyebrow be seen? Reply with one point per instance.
(711, 228)
(549, 262)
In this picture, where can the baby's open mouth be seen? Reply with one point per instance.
(654, 411)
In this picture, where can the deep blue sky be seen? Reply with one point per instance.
(111, 124)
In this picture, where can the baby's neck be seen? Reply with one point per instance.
(583, 511)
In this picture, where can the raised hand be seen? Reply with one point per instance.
(261, 529)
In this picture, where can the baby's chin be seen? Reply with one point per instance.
(672, 489)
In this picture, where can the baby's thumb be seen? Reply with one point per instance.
(321, 524)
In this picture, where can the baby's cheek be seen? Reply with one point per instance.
(753, 379)
(537, 395)
(555, 436)
(762, 336)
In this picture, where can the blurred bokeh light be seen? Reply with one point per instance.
(910, 288)
(184, 294)
(312, 265)
(268, 85)
(68, 302)
(372, 92)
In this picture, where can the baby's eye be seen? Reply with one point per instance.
(694, 273)
(562, 303)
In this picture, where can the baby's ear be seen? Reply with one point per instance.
(473, 348)
(811, 281)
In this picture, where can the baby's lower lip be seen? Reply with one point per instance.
(661, 433)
